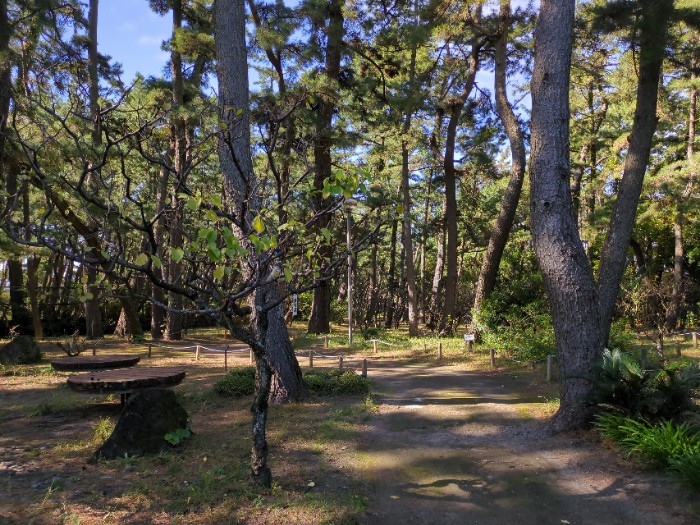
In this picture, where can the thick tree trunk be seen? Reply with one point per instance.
(568, 276)
(652, 41)
(319, 322)
(504, 221)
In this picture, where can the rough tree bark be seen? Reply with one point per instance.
(319, 322)
(568, 277)
(652, 40)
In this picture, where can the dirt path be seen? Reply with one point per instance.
(450, 446)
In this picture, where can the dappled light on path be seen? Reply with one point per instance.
(450, 446)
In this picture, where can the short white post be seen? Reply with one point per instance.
(550, 360)
(196, 353)
(364, 368)
(340, 362)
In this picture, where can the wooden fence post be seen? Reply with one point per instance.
(695, 339)
(311, 359)
(492, 352)
(325, 341)
(440, 350)
(374, 341)
(364, 368)
(340, 362)
(226, 359)
(196, 353)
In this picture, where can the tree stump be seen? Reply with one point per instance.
(147, 417)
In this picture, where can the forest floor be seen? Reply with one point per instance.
(443, 442)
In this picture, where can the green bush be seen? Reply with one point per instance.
(523, 332)
(619, 382)
(240, 381)
(335, 382)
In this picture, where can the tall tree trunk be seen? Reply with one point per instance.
(568, 277)
(423, 242)
(652, 42)
(319, 322)
(158, 311)
(391, 285)
(93, 314)
(173, 326)
(373, 283)
(269, 339)
(438, 282)
(674, 311)
(504, 221)
(409, 267)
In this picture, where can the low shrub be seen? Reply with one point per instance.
(240, 381)
(335, 382)
(675, 447)
(619, 382)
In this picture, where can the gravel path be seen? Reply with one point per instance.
(450, 446)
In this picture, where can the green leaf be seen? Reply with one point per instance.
(214, 252)
(177, 254)
(399, 208)
(288, 275)
(326, 233)
(156, 261)
(258, 225)
(193, 203)
(88, 296)
(216, 200)
(141, 259)
(219, 272)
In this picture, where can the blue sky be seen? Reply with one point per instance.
(132, 34)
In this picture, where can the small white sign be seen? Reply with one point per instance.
(469, 337)
(295, 305)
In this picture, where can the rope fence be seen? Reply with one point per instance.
(643, 352)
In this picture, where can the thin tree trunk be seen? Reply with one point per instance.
(391, 285)
(93, 314)
(504, 221)
(269, 338)
(438, 283)
(652, 41)
(158, 312)
(173, 326)
(679, 250)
